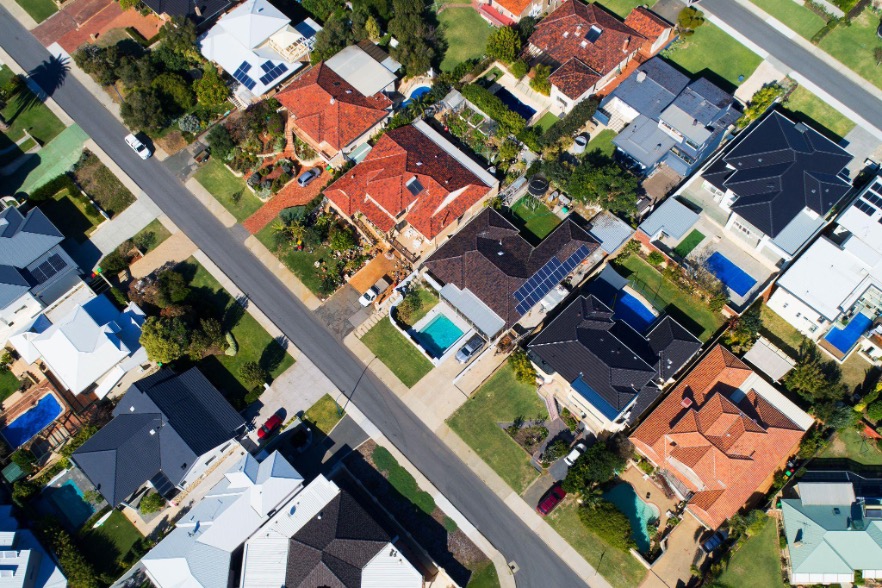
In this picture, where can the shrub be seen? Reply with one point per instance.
(655, 258)
(609, 523)
(874, 411)
(597, 465)
(519, 69)
(165, 339)
(523, 367)
(571, 122)
(509, 122)
(253, 376)
(53, 187)
(151, 503)
(540, 81)
(504, 44)
(210, 88)
(220, 141)
(341, 238)
(761, 100)
(555, 450)
(189, 123)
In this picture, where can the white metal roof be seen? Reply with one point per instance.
(361, 70)
(826, 493)
(253, 22)
(769, 359)
(390, 569)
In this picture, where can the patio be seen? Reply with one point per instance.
(522, 91)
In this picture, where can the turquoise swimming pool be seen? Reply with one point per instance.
(638, 512)
(438, 335)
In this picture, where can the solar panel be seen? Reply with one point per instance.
(44, 272)
(864, 207)
(273, 73)
(243, 67)
(267, 66)
(872, 198)
(546, 278)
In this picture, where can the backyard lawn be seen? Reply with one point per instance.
(255, 344)
(808, 106)
(689, 311)
(227, 189)
(794, 15)
(691, 241)
(324, 414)
(780, 332)
(535, 217)
(854, 45)
(155, 228)
(72, 214)
(712, 49)
(602, 142)
(546, 121)
(619, 567)
(399, 354)
(850, 444)
(9, 384)
(106, 546)
(301, 263)
(500, 400)
(624, 7)
(466, 34)
(39, 10)
(757, 562)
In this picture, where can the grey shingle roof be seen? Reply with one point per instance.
(651, 88)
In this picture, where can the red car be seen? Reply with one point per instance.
(271, 424)
(551, 499)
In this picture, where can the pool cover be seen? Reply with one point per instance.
(35, 419)
(735, 278)
(844, 339)
(631, 310)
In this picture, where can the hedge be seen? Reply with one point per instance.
(509, 122)
(572, 121)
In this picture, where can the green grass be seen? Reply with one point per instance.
(546, 121)
(811, 109)
(223, 185)
(39, 10)
(854, 45)
(255, 344)
(691, 241)
(781, 333)
(602, 142)
(624, 7)
(538, 221)
(501, 399)
(757, 562)
(402, 481)
(466, 34)
(73, 215)
(484, 577)
(301, 263)
(619, 567)
(9, 384)
(324, 414)
(160, 234)
(399, 354)
(794, 15)
(24, 115)
(712, 49)
(102, 185)
(428, 299)
(688, 310)
(848, 443)
(106, 546)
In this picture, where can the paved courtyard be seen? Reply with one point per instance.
(81, 21)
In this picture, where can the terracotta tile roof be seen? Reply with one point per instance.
(573, 78)
(329, 109)
(407, 175)
(647, 23)
(516, 7)
(721, 450)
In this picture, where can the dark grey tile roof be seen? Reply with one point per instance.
(703, 100)
(161, 425)
(333, 548)
(651, 88)
(779, 168)
(207, 9)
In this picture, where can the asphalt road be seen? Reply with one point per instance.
(867, 103)
(539, 565)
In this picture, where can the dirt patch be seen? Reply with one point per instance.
(172, 143)
(101, 185)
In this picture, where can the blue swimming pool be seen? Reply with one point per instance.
(638, 512)
(514, 104)
(844, 339)
(35, 419)
(68, 500)
(632, 311)
(732, 276)
(415, 94)
(438, 335)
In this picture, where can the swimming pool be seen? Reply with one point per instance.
(438, 335)
(632, 311)
(35, 419)
(638, 512)
(844, 339)
(514, 104)
(735, 278)
(415, 94)
(69, 500)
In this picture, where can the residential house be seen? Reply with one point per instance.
(720, 436)
(610, 367)
(259, 47)
(413, 189)
(588, 48)
(671, 121)
(840, 308)
(834, 528)
(339, 104)
(205, 546)
(167, 429)
(26, 563)
(494, 277)
(199, 11)
(504, 13)
(324, 537)
(610, 231)
(89, 349)
(34, 269)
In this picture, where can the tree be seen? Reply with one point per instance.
(151, 503)
(540, 82)
(523, 368)
(75, 442)
(526, 26)
(136, 71)
(174, 92)
(874, 411)
(322, 9)
(75, 566)
(509, 150)
(210, 88)
(341, 238)
(172, 288)
(209, 339)
(220, 141)
(504, 44)
(101, 62)
(813, 379)
(417, 40)
(142, 109)
(253, 375)
(555, 450)
(600, 181)
(597, 465)
(608, 522)
(165, 338)
(167, 59)
(572, 122)
(744, 330)
(179, 35)
(335, 35)
(519, 68)
(372, 28)
(688, 20)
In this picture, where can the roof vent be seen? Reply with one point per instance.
(349, 91)
(801, 127)
(333, 101)
(319, 516)
(419, 163)
(152, 431)
(583, 44)
(641, 75)
(500, 253)
(566, 34)
(132, 408)
(686, 402)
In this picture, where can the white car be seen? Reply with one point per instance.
(578, 449)
(368, 296)
(140, 148)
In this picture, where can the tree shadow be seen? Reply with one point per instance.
(273, 354)
(48, 76)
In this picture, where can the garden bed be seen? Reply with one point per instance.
(101, 185)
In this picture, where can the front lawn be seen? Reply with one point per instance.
(602, 142)
(848, 443)
(39, 10)
(712, 49)
(854, 45)
(25, 112)
(399, 354)
(101, 185)
(484, 577)
(107, 546)
(619, 567)
(624, 7)
(757, 562)
(324, 414)
(534, 217)
(691, 241)
(500, 400)
(794, 15)
(301, 263)
(688, 310)
(546, 121)
(811, 109)
(9, 384)
(466, 34)
(402, 481)
(72, 214)
(228, 189)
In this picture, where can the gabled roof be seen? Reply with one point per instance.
(24, 238)
(161, 426)
(253, 22)
(196, 10)
(415, 174)
(329, 109)
(647, 23)
(778, 169)
(651, 88)
(490, 258)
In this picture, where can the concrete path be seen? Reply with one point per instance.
(127, 224)
(176, 248)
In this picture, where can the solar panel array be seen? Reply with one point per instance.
(242, 77)
(266, 66)
(273, 73)
(549, 275)
(44, 272)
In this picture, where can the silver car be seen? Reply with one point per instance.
(471, 347)
(308, 176)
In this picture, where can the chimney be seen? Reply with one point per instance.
(686, 402)
(641, 75)
(333, 101)
(625, 44)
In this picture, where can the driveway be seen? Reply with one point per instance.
(339, 308)
(674, 568)
(82, 20)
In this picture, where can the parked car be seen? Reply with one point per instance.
(308, 176)
(715, 541)
(580, 143)
(269, 427)
(551, 499)
(471, 347)
(578, 449)
(368, 297)
(138, 147)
